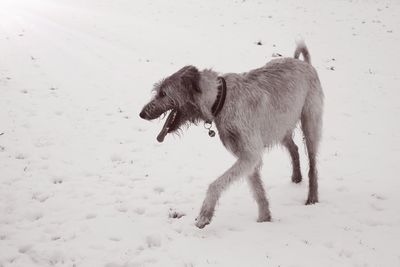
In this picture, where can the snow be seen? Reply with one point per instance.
(83, 181)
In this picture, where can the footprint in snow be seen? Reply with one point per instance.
(178, 230)
(342, 189)
(234, 229)
(376, 207)
(25, 248)
(34, 215)
(276, 55)
(121, 208)
(140, 211)
(378, 196)
(345, 253)
(21, 156)
(153, 241)
(114, 238)
(140, 129)
(175, 214)
(41, 197)
(43, 142)
(374, 223)
(116, 158)
(158, 189)
(56, 257)
(57, 180)
(329, 244)
(90, 216)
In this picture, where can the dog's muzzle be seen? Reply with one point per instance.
(143, 115)
(169, 125)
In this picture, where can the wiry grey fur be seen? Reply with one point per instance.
(262, 108)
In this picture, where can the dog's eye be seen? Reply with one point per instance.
(162, 94)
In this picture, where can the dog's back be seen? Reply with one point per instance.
(269, 100)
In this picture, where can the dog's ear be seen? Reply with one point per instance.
(190, 78)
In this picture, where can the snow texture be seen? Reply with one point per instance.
(83, 181)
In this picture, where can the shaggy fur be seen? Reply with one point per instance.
(262, 108)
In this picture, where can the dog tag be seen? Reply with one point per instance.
(211, 133)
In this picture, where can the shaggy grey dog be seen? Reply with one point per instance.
(252, 111)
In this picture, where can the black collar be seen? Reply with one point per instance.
(221, 95)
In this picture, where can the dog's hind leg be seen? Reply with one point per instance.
(257, 188)
(294, 154)
(244, 166)
(311, 123)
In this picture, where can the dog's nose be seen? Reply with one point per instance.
(142, 115)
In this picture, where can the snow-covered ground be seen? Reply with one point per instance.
(83, 181)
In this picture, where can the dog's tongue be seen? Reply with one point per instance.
(167, 126)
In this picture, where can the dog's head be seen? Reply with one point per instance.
(176, 94)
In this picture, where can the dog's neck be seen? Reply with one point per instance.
(220, 100)
(210, 95)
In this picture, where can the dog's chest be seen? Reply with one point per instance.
(230, 138)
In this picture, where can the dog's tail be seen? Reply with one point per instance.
(302, 49)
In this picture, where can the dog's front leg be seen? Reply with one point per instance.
(242, 167)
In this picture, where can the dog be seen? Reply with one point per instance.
(252, 112)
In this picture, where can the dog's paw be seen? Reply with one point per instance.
(264, 218)
(296, 178)
(202, 221)
(312, 200)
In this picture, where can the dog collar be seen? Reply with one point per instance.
(218, 105)
(221, 95)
